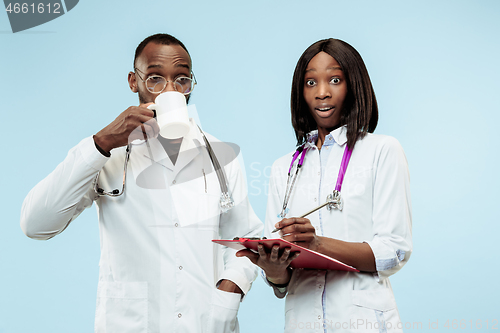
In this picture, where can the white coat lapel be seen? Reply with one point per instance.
(147, 164)
(190, 148)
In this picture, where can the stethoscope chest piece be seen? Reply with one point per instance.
(335, 201)
(226, 202)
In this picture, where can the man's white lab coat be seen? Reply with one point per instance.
(158, 267)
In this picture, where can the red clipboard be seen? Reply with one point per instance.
(306, 259)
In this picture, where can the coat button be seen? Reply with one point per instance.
(173, 182)
(179, 315)
(177, 224)
(180, 267)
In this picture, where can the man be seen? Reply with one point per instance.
(159, 270)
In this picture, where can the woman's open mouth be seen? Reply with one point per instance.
(324, 110)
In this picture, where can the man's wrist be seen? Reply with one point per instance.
(100, 149)
(229, 286)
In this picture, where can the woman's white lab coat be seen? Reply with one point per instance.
(377, 210)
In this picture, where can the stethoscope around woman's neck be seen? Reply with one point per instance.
(334, 200)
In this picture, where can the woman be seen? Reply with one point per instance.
(334, 112)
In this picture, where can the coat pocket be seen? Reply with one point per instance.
(376, 310)
(224, 308)
(122, 307)
(381, 300)
(194, 206)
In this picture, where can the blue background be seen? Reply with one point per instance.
(434, 66)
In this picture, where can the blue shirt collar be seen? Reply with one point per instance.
(338, 135)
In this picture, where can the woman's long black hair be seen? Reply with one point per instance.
(360, 111)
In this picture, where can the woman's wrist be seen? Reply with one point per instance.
(281, 282)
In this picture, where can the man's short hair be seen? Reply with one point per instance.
(164, 39)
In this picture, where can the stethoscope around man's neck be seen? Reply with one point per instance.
(226, 199)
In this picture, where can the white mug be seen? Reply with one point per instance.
(171, 114)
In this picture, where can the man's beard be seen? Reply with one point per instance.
(142, 99)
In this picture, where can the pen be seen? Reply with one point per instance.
(309, 212)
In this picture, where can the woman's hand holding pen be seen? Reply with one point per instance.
(274, 264)
(299, 231)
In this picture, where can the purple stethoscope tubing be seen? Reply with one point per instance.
(343, 168)
(302, 150)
